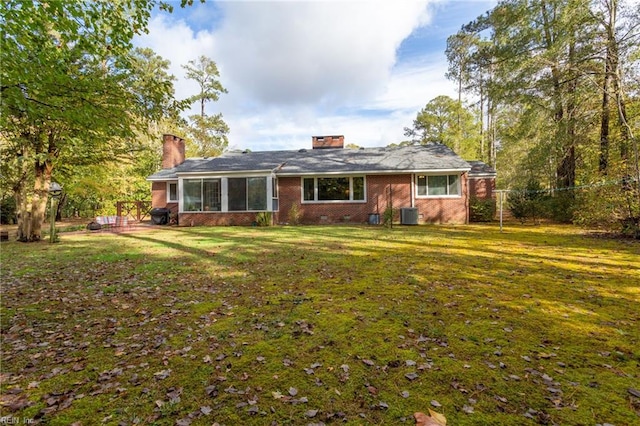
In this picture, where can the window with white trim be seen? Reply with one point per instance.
(333, 188)
(202, 195)
(172, 192)
(437, 185)
(247, 194)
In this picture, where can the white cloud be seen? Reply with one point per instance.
(313, 52)
(297, 69)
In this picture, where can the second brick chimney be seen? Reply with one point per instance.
(172, 151)
(328, 142)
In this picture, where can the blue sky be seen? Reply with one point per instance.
(295, 69)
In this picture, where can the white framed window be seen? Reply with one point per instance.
(172, 192)
(333, 189)
(225, 194)
(247, 194)
(438, 186)
(201, 195)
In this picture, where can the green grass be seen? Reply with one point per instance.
(364, 324)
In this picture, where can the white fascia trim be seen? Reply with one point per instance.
(374, 172)
(164, 179)
(217, 173)
(482, 176)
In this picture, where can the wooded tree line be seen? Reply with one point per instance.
(556, 89)
(80, 104)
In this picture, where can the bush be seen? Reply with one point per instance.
(530, 202)
(263, 219)
(388, 215)
(613, 208)
(294, 215)
(482, 209)
(8, 211)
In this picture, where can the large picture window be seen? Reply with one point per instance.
(333, 189)
(201, 195)
(438, 185)
(247, 193)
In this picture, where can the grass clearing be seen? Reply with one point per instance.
(300, 325)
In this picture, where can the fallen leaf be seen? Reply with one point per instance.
(441, 419)
(311, 413)
(161, 375)
(411, 376)
(634, 392)
(293, 391)
(423, 419)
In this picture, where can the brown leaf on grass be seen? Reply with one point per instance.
(433, 419)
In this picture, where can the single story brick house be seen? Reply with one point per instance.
(327, 184)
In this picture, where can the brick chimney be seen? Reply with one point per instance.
(328, 142)
(172, 151)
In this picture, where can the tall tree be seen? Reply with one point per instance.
(444, 121)
(208, 132)
(71, 90)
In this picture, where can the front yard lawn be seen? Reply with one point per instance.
(313, 325)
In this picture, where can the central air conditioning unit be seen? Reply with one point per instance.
(409, 216)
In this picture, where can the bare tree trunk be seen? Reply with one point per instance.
(39, 202)
(604, 121)
(482, 143)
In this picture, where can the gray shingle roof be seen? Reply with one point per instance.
(478, 168)
(414, 158)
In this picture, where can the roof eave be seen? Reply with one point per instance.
(373, 172)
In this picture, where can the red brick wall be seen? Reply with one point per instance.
(158, 194)
(445, 210)
(432, 210)
(173, 151)
(327, 142)
(482, 187)
(217, 219)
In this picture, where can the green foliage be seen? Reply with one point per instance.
(294, 215)
(207, 133)
(529, 202)
(8, 210)
(613, 207)
(445, 121)
(557, 84)
(264, 219)
(207, 136)
(389, 215)
(74, 92)
(482, 210)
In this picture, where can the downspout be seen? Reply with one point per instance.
(412, 189)
(467, 197)
(274, 181)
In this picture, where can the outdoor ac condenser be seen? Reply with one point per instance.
(409, 216)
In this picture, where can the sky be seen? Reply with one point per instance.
(297, 69)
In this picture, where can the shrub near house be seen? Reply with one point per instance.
(325, 184)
